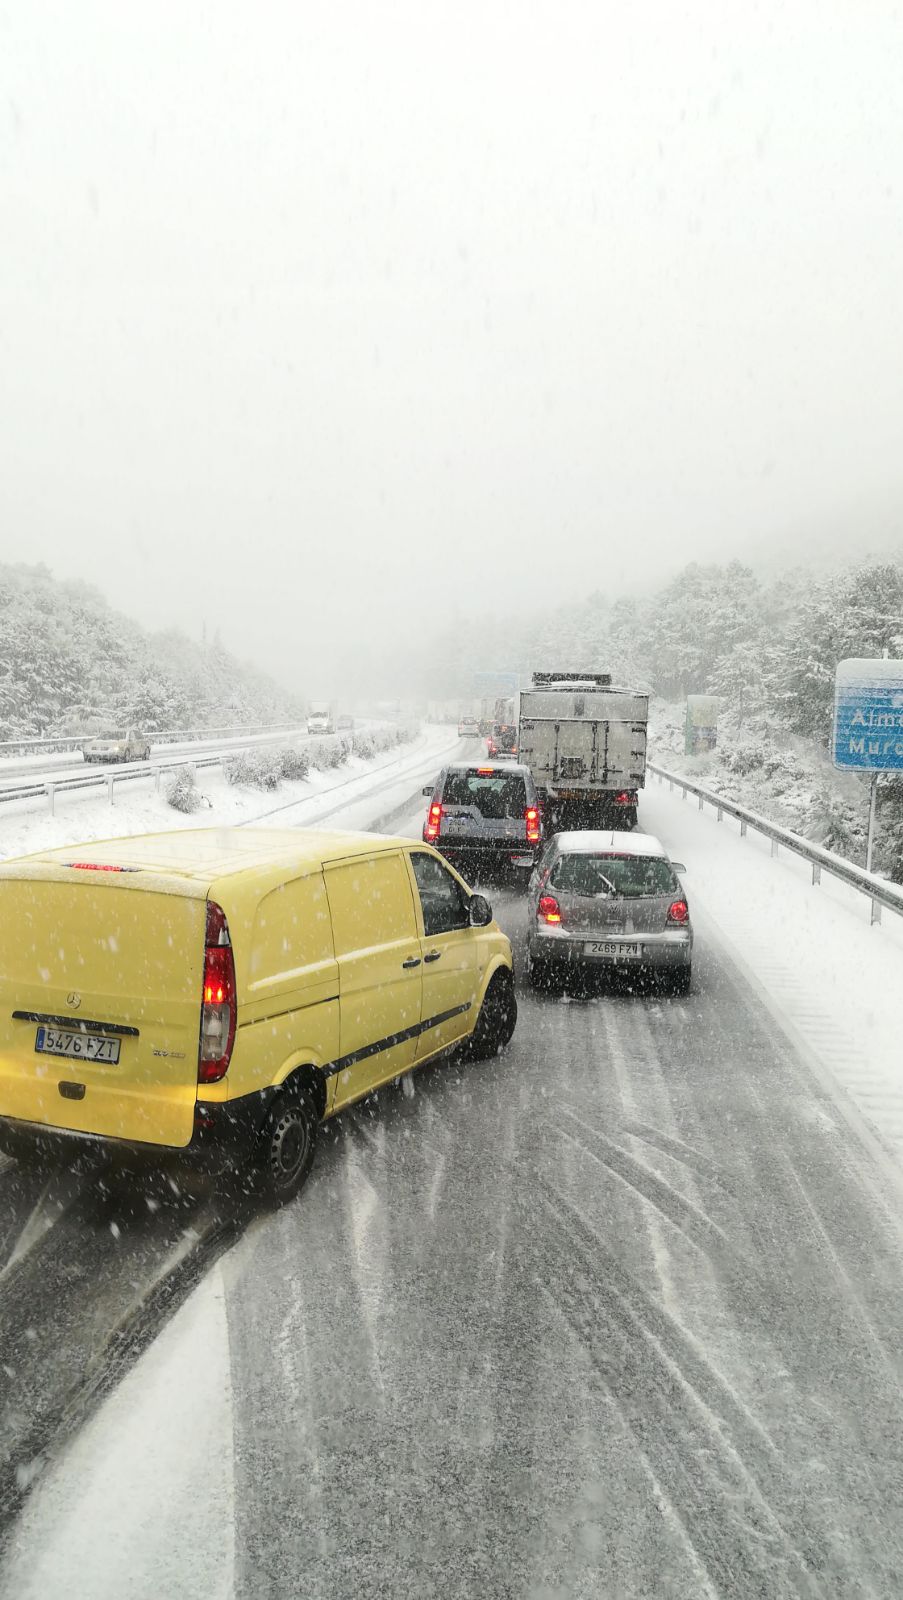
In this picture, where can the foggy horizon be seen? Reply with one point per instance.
(328, 328)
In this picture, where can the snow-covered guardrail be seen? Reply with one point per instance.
(161, 736)
(51, 787)
(879, 891)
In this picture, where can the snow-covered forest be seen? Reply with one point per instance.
(768, 648)
(68, 659)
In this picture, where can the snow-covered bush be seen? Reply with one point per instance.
(256, 769)
(294, 764)
(181, 790)
(328, 753)
(370, 742)
(744, 758)
(364, 745)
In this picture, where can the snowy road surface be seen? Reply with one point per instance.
(619, 1314)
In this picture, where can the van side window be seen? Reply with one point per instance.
(444, 902)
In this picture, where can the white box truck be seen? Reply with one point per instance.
(584, 740)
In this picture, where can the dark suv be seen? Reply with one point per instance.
(485, 817)
(502, 739)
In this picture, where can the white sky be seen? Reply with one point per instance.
(326, 322)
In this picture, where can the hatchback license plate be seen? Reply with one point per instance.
(610, 947)
(77, 1046)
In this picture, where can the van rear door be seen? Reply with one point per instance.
(82, 961)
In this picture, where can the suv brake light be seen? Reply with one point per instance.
(218, 1006)
(548, 909)
(678, 911)
(433, 821)
(534, 826)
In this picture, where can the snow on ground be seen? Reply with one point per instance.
(164, 1439)
(138, 808)
(92, 1531)
(158, 1454)
(831, 981)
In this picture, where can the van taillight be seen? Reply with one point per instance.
(433, 820)
(548, 909)
(217, 999)
(534, 830)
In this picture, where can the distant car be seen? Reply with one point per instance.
(502, 740)
(468, 728)
(608, 900)
(117, 744)
(345, 724)
(320, 722)
(485, 817)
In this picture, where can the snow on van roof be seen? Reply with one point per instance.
(625, 844)
(209, 853)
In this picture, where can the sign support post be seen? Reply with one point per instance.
(873, 798)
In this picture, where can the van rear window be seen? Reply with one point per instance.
(494, 795)
(629, 876)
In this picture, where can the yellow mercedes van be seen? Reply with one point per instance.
(212, 995)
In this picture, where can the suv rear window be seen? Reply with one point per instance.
(494, 795)
(629, 876)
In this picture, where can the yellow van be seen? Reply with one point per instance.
(214, 994)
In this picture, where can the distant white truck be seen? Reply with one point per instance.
(321, 719)
(584, 740)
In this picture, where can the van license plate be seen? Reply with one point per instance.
(77, 1046)
(609, 947)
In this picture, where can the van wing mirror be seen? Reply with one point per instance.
(678, 866)
(480, 911)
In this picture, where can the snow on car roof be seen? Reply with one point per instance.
(624, 844)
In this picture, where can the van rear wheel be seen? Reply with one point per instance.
(497, 1019)
(286, 1149)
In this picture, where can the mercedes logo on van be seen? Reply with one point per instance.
(74, 1000)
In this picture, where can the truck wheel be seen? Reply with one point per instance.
(285, 1150)
(497, 1019)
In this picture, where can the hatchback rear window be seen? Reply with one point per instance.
(631, 877)
(494, 795)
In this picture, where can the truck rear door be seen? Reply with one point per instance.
(625, 755)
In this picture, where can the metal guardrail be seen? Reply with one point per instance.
(879, 891)
(51, 787)
(161, 736)
(37, 788)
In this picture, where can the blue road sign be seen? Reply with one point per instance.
(868, 715)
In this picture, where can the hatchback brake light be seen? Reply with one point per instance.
(534, 827)
(679, 911)
(218, 1007)
(433, 821)
(548, 909)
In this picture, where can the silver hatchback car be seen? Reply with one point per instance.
(608, 900)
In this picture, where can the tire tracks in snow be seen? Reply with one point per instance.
(719, 1469)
